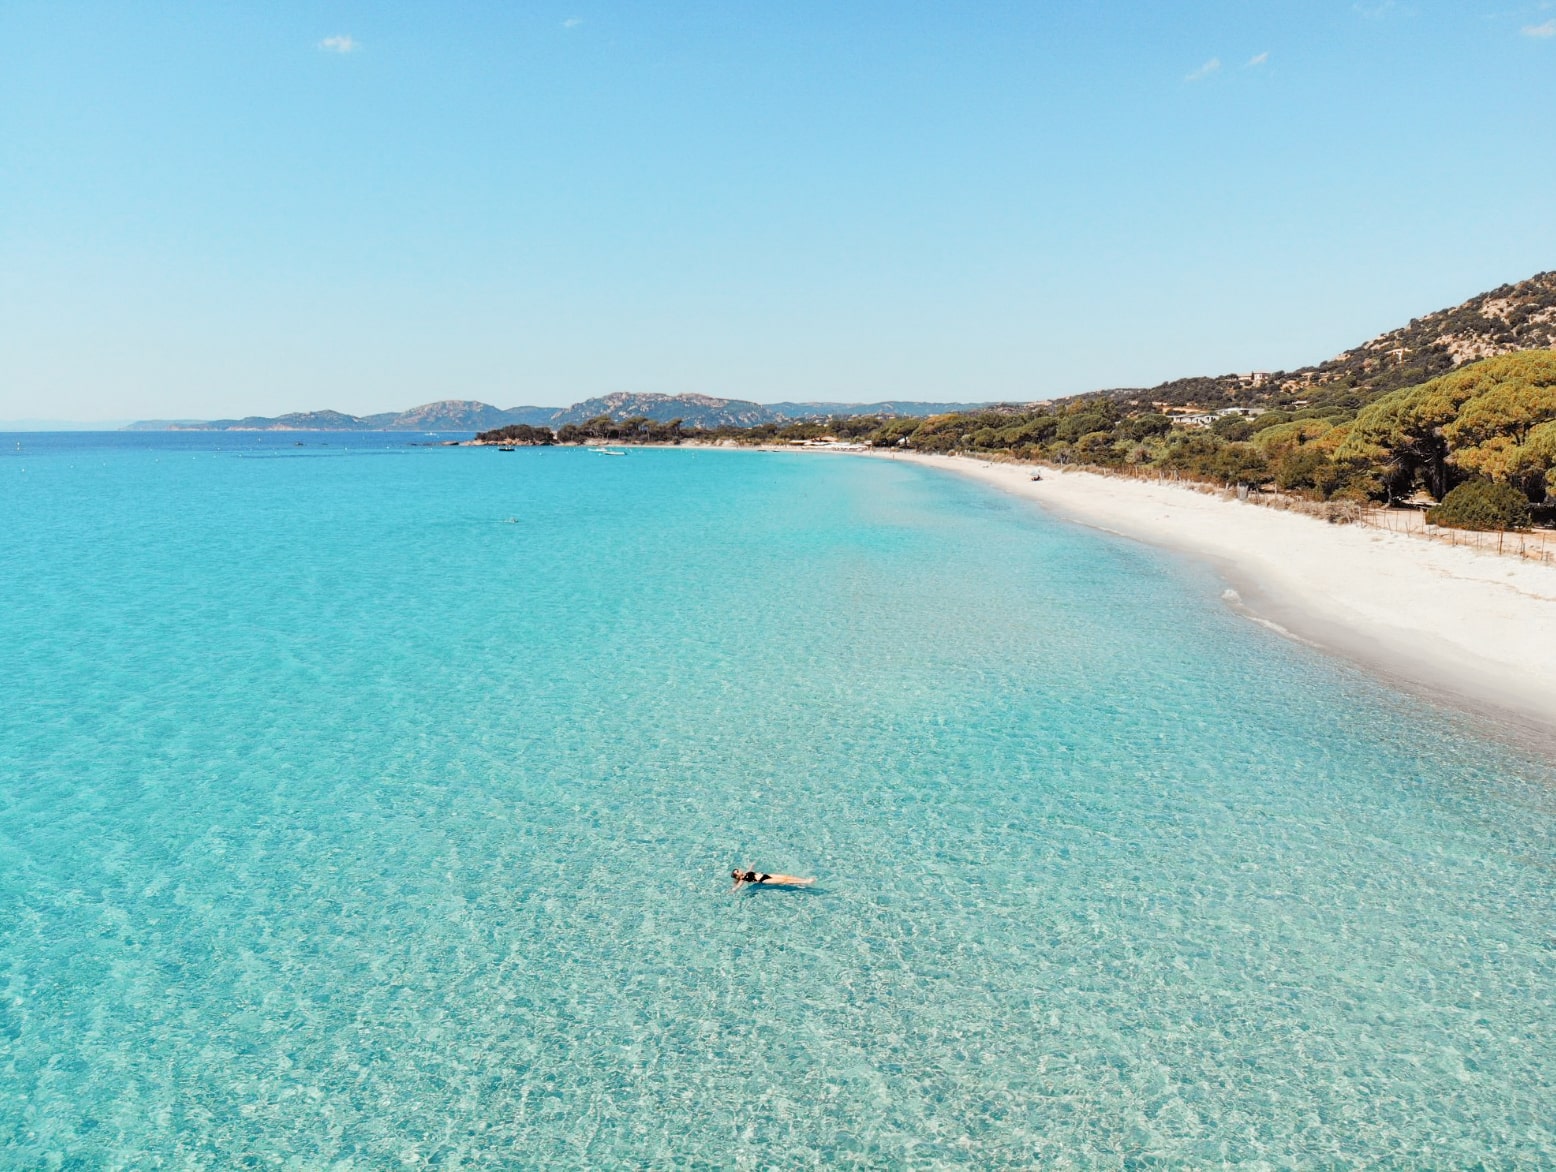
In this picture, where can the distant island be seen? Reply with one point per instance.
(469, 415)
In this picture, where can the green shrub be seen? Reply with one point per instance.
(1482, 504)
(1072, 427)
(1232, 428)
(1145, 426)
(1270, 419)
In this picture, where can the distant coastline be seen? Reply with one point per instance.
(458, 415)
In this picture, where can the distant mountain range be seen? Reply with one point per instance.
(1521, 316)
(460, 415)
(447, 415)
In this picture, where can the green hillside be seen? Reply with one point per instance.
(1508, 319)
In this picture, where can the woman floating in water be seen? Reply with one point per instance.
(762, 879)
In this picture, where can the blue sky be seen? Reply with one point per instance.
(251, 208)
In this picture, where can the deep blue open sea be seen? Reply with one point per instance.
(365, 805)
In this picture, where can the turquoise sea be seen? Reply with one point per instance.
(365, 805)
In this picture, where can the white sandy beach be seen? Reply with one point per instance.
(1475, 629)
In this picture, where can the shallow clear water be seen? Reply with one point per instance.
(343, 820)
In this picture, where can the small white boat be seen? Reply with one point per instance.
(607, 452)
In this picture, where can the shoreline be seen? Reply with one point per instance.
(1459, 627)
(1474, 630)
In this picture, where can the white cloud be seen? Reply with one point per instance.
(1548, 29)
(572, 22)
(339, 44)
(1205, 70)
(1257, 59)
